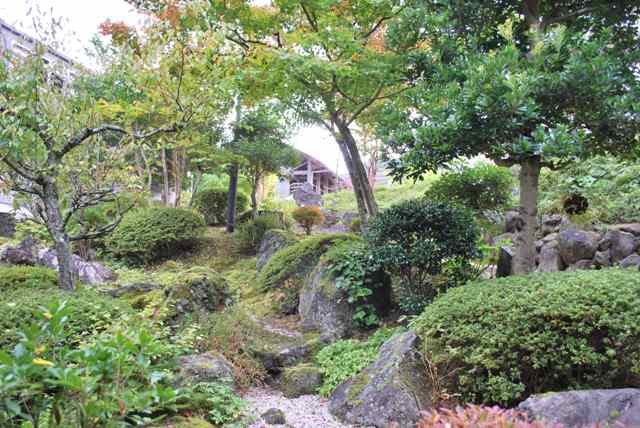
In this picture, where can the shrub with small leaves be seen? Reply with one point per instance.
(505, 339)
(481, 187)
(212, 204)
(152, 234)
(308, 217)
(249, 234)
(416, 240)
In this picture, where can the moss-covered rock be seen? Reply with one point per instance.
(392, 390)
(207, 367)
(273, 241)
(303, 379)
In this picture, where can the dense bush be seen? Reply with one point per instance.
(611, 188)
(16, 277)
(212, 203)
(308, 217)
(480, 187)
(151, 234)
(249, 234)
(344, 359)
(505, 339)
(296, 261)
(479, 417)
(25, 289)
(417, 241)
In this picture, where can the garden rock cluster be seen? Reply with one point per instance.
(273, 241)
(578, 409)
(563, 246)
(28, 253)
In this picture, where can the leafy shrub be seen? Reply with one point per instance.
(481, 187)
(114, 382)
(416, 240)
(17, 277)
(37, 231)
(344, 359)
(505, 339)
(218, 402)
(90, 312)
(308, 217)
(355, 226)
(479, 417)
(611, 187)
(154, 233)
(249, 235)
(213, 203)
(298, 260)
(358, 274)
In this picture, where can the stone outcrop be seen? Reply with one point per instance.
(305, 196)
(25, 253)
(7, 225)
(205, 368)
(633, 261)
(550, 260)
(575, 245)
(88, 272)
(273, 241)
(304, 379)
(579, 409)
(274, 416)
(392, 390)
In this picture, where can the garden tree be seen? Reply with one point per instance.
(326, 61)
(263, 148)
(533, 83)
(58, 148)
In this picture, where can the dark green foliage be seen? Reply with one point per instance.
(346, 358)
(212, 204)
(22, 277)
(217, 402)
(416, 240)
(612, 188)
(249, 234)
(24, 290)
(360, 276)
(499, 341)
(297, 261)
(151, 234)
(480, 187)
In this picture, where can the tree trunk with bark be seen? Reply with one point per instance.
(55, 225)
(165, 177)
(525, 241)
(195, 185)
(232, 197)
(367, 206)
(254, 195)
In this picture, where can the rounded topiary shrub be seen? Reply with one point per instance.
(308, 217)
(499, 341)
(151, 234)
(249, 234)
(480, 187)
(419, 241)
(213, 203)
(25, 289)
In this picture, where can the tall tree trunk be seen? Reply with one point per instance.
(55, 225)
(165, 176)
(195, 185)
(525, 241)
(367, 206)
(254, 196)
(232, 197)
(178, 173)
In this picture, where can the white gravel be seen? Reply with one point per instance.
(308, 411)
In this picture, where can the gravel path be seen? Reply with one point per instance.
(308, 411)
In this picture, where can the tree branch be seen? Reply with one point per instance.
(555, 20)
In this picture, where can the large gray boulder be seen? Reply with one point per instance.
(304, 379)
(575, 245)
(325, 308)
(550, 260)
(512, 222)
(305, 196)
(88, 272)
(550, 224)
(620, 244)
(632, 228)
(7, 225)
(273, 241)
(633, 261)
(579, 409)
(505, 262)
(392, 390)
(205, 368)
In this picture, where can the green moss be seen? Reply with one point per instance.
(300, 380)
(296, 261)
(358, 384)
(181, 422)
(12, 277)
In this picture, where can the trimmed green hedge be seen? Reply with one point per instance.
(502, 340)
(151, 234)
(212, 204)
(36, 277)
